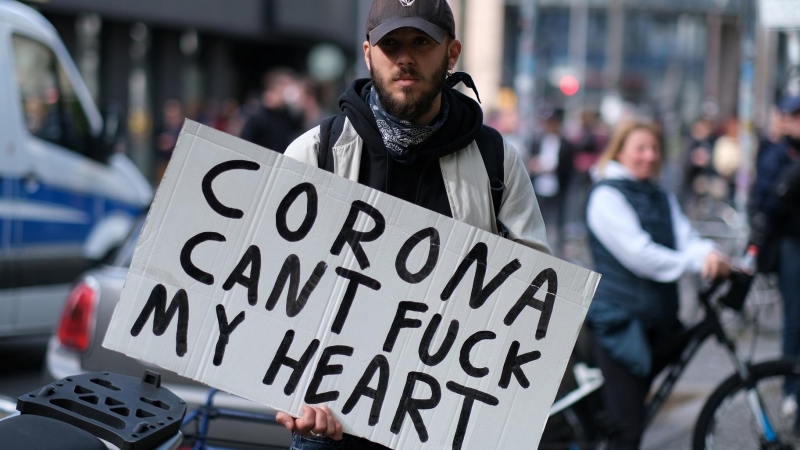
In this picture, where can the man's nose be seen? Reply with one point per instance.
(404, 56)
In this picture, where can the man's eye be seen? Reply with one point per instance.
(421, 41)
(388, 42)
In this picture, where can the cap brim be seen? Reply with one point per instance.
(437, 33)
(790, 105)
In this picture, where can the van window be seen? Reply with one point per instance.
(51, 107)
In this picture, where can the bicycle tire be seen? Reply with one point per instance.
(768, 378)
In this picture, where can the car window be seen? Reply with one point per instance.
(51, 107)
(124, 256)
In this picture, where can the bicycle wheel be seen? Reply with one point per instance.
(727, 420)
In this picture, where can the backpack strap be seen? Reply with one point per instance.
(492, 148)
(329, 132)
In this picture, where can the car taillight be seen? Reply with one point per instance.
(75, 327)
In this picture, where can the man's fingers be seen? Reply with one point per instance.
(330, 426)
(307, 422)
(286, 420)
(338, 434)
(321, 423)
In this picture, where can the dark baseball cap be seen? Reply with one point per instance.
(433, 17)
(789, 105)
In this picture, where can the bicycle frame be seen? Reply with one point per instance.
(204, 414)
(695, 336)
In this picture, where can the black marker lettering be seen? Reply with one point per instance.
(546, 306)
(378, 364)
(412, 406)
(252, 258)
(356, 280)
(186, 256)
(324, 369)
(401, 321)
(348, 234)
(291, 272)
(401, 263)
(225, 330)
(427, 338)
(157, 305)
(513, 365)
(297, 366)
(311, 212)
(480, 293)
(470, 395)
(466, 349)
(208, 191)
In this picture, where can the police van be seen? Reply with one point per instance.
(66, 199)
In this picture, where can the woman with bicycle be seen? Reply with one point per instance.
(642, 244)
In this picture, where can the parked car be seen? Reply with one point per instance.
(77, 347)
(66, 199)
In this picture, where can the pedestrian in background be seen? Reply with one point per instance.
(166, 135)
(697, 165)
(776, 199)
(274, 125)
(550, 167)
(641, 243)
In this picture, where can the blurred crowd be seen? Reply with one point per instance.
(559, 161)
(289, 104)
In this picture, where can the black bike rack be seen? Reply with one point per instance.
(128, 412)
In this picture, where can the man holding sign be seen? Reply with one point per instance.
(383, 296)
(407, 133)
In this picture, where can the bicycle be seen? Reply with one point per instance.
(746, 404)
(201, 417)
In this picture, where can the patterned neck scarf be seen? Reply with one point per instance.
(400, 136)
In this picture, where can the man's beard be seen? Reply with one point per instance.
(411, 108)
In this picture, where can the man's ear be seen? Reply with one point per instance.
(454, 53)
(367, 55)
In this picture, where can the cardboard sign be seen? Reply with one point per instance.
(284, 284)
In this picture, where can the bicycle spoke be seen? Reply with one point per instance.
(737, 427)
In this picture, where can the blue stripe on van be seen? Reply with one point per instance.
(74, 215)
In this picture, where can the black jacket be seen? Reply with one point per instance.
(274, 129)
(566, 165)
(419, 182)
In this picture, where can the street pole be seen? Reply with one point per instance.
(525, 79)
(793, 58)
(746, 91)
(359, 66)
(578, 42)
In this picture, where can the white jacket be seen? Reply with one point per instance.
(614, 222)
(465, 179)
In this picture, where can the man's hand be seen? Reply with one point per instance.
(716, 265)
(318, 420)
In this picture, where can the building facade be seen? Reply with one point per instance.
(139, 55)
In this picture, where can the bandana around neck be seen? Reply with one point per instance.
(401, 136)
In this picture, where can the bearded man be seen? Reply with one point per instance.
(407, 133)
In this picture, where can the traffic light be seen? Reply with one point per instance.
(569, 85)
